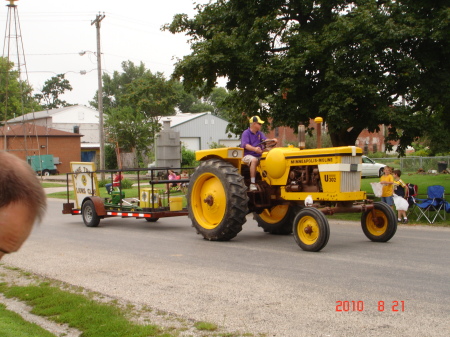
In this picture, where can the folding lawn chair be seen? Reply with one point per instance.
(435, 203)
(411, 192)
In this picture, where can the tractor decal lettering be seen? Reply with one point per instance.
(312, 161)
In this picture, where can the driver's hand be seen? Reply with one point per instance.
(258, 150)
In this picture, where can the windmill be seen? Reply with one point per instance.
(25, 138)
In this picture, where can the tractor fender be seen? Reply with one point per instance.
(98, 204)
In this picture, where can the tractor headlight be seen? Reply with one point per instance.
(235, 153)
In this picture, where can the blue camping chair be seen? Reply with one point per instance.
(434, 206)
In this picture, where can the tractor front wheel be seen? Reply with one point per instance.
(311, 229)
(217, 200)
(379, 224)
(277, 220)
(90, 217)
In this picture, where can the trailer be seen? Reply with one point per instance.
(151, 204)
(43, 165)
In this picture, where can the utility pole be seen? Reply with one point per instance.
(97, 21)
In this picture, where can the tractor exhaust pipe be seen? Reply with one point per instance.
(319, 121)
(301, 137)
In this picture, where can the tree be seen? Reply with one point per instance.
(114, 87)
(350, 62)
(53, 88)
(15, 95)
(151, 94)
(129, 130)
(132, 118)
(428, 97)
(194, 102)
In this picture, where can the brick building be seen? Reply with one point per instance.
(368, 141)
(30, 139)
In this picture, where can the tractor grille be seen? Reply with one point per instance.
(351, 181)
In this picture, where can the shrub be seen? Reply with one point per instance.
(187, 157)
(126, 183)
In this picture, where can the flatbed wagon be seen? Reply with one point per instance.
(152, 203)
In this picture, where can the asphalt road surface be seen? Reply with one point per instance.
(256, 283)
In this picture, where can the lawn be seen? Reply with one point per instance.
(421, 180)
(45, 185)
(86, 311)
(129, 194)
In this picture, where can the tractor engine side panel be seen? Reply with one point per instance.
(326, 174)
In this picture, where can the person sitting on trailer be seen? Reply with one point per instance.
(171, 176)
(184, 175)
(117, 178)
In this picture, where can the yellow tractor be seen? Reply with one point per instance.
(296, 189)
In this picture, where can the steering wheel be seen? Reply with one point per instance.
(267, 143)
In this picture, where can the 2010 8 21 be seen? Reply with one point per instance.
(346, 306)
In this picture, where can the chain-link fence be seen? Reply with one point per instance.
(414, 164)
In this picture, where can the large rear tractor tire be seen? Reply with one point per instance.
(217, 200)
(277, 220)
(90, 217)
(381, 226)
(311, 229)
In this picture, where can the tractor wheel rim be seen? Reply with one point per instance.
(379, 226)
(308, 230)
(208, 198)
(275, 214)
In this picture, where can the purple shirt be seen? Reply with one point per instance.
(248, 137)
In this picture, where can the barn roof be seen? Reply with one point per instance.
(31, 130)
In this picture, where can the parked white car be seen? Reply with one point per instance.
(371, 168)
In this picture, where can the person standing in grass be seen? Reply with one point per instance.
(387, 180)
(401, 190)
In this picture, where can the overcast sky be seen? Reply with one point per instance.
(55, 31)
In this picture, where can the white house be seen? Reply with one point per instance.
(76, 118)
(199, 130)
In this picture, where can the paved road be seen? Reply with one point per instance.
(256, 282)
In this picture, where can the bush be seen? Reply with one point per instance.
(110, 157)
(187, 157)
(126, 183)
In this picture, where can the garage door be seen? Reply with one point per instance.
(230, 142)
(192, 144)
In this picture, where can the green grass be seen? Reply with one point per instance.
(13, 325)
(45, 185)
(421, 180)
(205, 326)
(129, 193)
(94, 319)
(82, 310)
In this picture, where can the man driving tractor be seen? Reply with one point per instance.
(252, 141)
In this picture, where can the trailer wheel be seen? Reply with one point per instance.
(277, 220)
(382, 226)
(152, 219)
(217, 200)
(46, 173)
(311, 229)
(90, 217)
